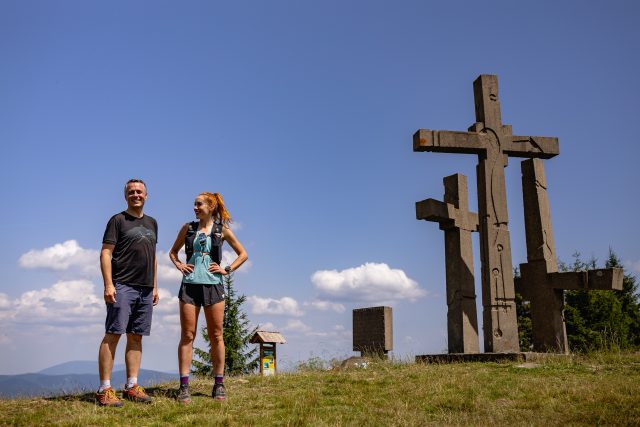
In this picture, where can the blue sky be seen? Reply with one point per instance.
(301, 114)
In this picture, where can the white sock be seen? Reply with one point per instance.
(131, 381)
(103, 385)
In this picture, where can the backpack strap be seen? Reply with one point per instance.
(189, 238)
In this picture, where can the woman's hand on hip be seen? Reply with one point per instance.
(185, 269)
(215, 268)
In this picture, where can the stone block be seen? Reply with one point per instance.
(373, 330)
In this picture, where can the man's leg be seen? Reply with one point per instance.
(132, 358)
(106, 396)
(139, 325)
(106, 354)
(133, 355)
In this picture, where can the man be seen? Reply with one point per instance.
(128, 264)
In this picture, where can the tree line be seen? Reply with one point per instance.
(595, 320)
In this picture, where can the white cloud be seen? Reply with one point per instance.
(270, 327)
(172, 320)
(5, 302)
(284, 306)
(167, 272)
(325, 306)
(371, 282)
(296, 325)
(71, 305)
(71, 302)
(633, 266)
(229, 256)
(235, 226)
(168, 303)
(63, 256)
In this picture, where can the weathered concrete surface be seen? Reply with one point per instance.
(488, 357)
(540, 281)
(457, 222)
(493, 142)
(373, 330)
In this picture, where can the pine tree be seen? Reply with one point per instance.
(594, 319)
(603, 319)
(236, 335)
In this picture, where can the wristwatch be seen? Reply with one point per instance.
(228, 269)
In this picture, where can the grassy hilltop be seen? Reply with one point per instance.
(581, 390)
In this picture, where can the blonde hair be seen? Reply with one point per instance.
(220, 212)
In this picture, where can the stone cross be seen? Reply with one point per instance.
(458, 223)
(540, 282)
(493, 143)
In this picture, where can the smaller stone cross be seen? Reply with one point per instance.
(458, 223)
(540, 281)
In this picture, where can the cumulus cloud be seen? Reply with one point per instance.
(63, 256)
(286, 306)
(5, 302)
(295, 325)
(167, 272)
(70, 305)
(325, 306)
(235, 226)
(270, 327)
(64, 303)
(371, 282)
(300, 329)
(168, 303)
(229, 256)
(633, 266)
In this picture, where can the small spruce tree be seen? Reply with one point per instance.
(236, 334)
(595, 320)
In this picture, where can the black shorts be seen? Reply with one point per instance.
(132, 311)
(201, 295)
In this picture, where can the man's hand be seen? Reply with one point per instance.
(110, 294)
(156, 296)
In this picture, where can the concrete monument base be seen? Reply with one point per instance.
(489, 357)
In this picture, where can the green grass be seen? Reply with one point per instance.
(580, 390)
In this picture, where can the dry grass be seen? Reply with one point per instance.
(582, 390)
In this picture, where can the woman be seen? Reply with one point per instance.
(202, 285)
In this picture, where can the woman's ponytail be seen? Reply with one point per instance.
(220, 213)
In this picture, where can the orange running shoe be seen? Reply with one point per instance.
(136, 394)
(108, 398)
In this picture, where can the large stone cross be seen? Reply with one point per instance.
(540, 282)
(458, 223)
(492, 142)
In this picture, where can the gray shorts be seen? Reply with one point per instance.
(131, 312)
(201, 295)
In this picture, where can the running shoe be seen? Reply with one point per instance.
(107, 397)
(136, 394)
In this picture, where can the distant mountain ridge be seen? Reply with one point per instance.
(76, 367)
(72, 377)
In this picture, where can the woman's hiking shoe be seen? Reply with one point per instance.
(183, 395)
(218, 392)
(136, 394)
(107, 397)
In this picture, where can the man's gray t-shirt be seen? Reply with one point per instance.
(134, 256)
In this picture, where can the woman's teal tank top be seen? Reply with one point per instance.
(201, 261)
